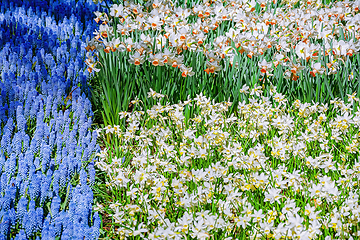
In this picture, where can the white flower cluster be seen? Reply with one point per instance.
(326, 35)
(271, 170)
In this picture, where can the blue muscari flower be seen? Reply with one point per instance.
(20, 119)
(57, 224)
(6, 138)
(40, 114)
(28, 104)
(56, 186)
(45, 185)
(95, 233)
(26, 142)
(10, 165)
(29, 158)
(83, 178)
(4, 224)
(35, 105)
(42, 51)
(33, 147)
(66, 132)
(3, 183)
(43, 72)
(34, 188)
(29, 219)
(64, 152)
(67, 119)
(91, 170)
(59, 123)
(71, 144)
(23, 167)
(34, 59)
(55, 206)
(73, 52)
(46, 133)
(45, 233)
(52, 139)
(37, 162)
(11, 189)
(5, 203)
(68, 230)
(86, 154)
(92, 144)
(90, 196)
(38, 135)
(79, 225)
(71, 166)
(2, 160)
(78, 158)
(12, 109)
(22, 50)
(21, 208)
(32, 170)
(72, 208)
(59, 52)
(45, 153)
(82, 120)
(6, 66)
(39, 218)
(23, 187)
(49, 60)
(82, 131)
(52, 124)
(17, 143)
(70, 69)
(63, 173)
(78, 63)
(48, 106)
(12, 216)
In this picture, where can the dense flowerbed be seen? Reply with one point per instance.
(263, 166)
(268, 167)
(307, 49)
(276, 170)
(46, 146)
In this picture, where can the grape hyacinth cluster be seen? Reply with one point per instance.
(46, 146)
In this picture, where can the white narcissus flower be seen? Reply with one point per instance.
(273, 195)
(155, 22)
(136, 59)
(302, 50)
(244, 89)
(317, 68)
(157, 59)
(116, 10)
(186, 71)
(91, 67)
